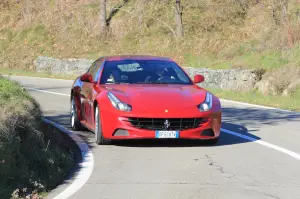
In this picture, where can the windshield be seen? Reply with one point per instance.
(143, 72)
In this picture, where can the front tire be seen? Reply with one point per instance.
(75, 122)
(99, 139)
(213, 141)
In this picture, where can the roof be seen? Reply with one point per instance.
(136, 57)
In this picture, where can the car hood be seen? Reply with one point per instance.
(159, 96)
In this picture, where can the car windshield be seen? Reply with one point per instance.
(143, 72)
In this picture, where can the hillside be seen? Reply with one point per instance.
(217, 34)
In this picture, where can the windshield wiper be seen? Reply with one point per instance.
(154, 82)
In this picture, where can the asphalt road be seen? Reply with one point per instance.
(236, 168)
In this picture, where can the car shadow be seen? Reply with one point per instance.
(225, 138)
(252, 116)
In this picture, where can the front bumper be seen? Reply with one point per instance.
(115, 126)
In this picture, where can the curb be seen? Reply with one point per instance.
(84, 166)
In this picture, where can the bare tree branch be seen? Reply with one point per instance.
(162, 22)
(178, 19)
(102, 18)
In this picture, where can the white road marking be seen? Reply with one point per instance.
(85, 166)
(50, 92)
(266, 144)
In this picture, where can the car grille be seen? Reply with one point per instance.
(166, 123)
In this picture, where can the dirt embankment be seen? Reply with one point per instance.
(33, 155)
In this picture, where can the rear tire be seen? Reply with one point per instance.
(75, 122)
(99, 139)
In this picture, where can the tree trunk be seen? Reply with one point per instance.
(280, 11)
(280, 14)
(178, 19)
(103, 26)
(140, 11)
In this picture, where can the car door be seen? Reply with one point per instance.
(88, 92)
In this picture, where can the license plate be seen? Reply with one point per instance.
(167, 134)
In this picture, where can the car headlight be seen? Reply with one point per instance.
(118, 104)
(207, 104)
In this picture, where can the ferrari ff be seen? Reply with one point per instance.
(143, 97)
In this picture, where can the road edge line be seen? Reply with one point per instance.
(50, 92)
(263, 143)
(85, 166)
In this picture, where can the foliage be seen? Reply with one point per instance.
(231, 32)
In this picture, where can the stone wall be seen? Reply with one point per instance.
(229, 79)
(62, 66)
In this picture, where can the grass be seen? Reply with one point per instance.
(18, 72)
(33, 155)
(216, 35)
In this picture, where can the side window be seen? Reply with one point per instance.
(181, 75)
(92, 69)
(95, 69)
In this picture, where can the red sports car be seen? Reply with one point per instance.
(143, 97)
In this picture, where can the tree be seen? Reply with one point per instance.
(280, 11)
(103, 25)
(280, 15)
(140, 10)
(178, 19)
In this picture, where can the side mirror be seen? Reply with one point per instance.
(198, 78)
(87, 77)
